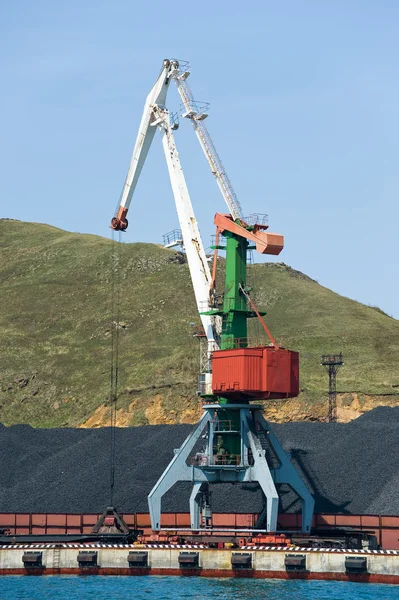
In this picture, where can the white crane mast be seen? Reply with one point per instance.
(197, 118)
(196, 257)
(156, 115)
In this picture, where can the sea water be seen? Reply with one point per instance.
(186, 588)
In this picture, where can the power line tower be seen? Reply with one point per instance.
(332, 362)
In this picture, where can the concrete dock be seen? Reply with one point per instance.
(377, 566)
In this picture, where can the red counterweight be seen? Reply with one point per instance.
(259, 373)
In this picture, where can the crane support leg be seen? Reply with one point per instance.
(260, 472)
(288, 474)
(177, 470)
(195, 506)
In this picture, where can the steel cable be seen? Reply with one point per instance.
(114, 367)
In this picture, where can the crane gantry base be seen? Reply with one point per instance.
(213, 465)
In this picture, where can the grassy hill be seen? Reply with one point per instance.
(55, 332)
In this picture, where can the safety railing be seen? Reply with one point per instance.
(198, 331)
(220, 239)
(251, 341)
(203, 460)
(227, 459)
(256, 219)
(173, 238)
(225, 304)
(194, 108)
(222, 425)
(204, 306)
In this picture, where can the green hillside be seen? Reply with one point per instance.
(55, 330)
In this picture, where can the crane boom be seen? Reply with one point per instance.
(196, 257)
(155, 114)
(207, 144)
(157, 96)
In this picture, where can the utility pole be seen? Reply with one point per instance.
(332, 362)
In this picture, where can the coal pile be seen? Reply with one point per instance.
(349, 468)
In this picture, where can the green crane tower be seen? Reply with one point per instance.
(234, 312)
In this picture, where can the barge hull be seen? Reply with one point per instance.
(380, 566)
(386, 528)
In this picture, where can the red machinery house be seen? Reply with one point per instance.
(259, 373)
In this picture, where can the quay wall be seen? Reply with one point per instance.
(381, 566)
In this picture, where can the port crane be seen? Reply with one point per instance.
(237, 438)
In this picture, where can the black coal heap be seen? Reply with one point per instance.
(350, 468)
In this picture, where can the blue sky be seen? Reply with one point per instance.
(304, 114)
